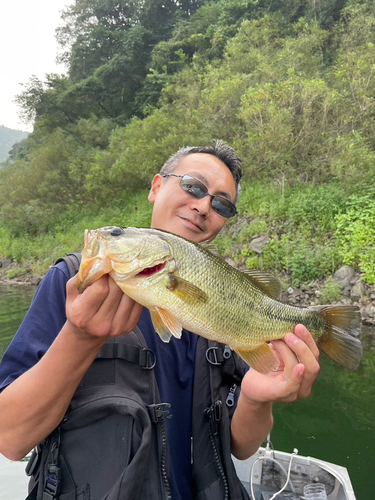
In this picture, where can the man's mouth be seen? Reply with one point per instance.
(192, 223)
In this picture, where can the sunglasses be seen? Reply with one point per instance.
(195, 188)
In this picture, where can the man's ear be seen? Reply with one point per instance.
(155, 186)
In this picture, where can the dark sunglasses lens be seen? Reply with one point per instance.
(223, 207)
(193, 186)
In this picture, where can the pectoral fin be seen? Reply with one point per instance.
(262, 358)
(165, 325)
(186, 291)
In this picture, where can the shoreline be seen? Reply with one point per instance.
(350, 289)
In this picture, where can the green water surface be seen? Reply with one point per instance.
(335, 423)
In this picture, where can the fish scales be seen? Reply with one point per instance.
(187, 286)
(230, 293)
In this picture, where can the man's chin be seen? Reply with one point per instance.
(190, 233)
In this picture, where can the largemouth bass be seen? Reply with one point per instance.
(185, 285)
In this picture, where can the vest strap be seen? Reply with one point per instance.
(72, 260)
(141, 356)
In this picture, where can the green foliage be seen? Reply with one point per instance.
(354, 162)
(289, 84)
(44, 101)
(330, 292)
(34, 190)
(256, 226)
(41, 251)
(299, 222)
(15, 273)
(95, 132)
(5, 242)
(309, 260)
(303, 261)
(355, 234)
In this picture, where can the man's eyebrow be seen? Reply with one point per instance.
(202, 178)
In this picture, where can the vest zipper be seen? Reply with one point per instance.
(157, 413)
(230, 398)
(214, 415)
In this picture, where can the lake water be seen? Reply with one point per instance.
(336, 423)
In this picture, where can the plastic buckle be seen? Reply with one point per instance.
(51, 482)
(150, 358)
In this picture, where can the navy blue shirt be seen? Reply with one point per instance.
(174, 368)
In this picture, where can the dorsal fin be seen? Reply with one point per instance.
(211, 247)
(268, 283)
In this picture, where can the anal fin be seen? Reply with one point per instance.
(262, 358)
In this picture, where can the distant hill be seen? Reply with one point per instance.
(8, 137)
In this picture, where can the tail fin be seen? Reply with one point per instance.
(343, 324)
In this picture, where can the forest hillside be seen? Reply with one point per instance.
(8, 138)
(290, 84)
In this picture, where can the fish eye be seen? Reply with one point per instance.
(116, 231)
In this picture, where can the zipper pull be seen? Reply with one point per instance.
(213, 413)
(227, 352)
(230, 398)
(158, 411)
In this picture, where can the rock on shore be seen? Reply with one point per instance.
(352, 290)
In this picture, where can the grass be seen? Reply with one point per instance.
(303, 222)
(67, 235)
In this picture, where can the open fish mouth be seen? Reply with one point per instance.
(151, 271)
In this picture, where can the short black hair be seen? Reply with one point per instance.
(222, 151)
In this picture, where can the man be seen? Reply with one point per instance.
(51, 352)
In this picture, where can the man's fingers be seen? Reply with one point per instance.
(126, 317)
(306, 355)
(102, 309)
(302, 333)
(287, 355)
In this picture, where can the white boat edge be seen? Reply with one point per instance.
(343, 487)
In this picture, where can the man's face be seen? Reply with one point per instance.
(180, 213)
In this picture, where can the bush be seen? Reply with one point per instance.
(330, 292)
(355, 235)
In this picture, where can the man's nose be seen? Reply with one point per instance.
(202, 205)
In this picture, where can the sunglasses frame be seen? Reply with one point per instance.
(227, 205)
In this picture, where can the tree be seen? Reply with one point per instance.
(94, 31)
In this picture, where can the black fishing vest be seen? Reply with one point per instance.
(112, 442)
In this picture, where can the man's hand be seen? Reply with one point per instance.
(101, 311)
(298, 370)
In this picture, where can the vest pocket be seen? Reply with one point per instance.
(104, 450)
